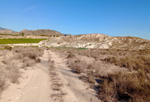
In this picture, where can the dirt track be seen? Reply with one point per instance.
(38, 84)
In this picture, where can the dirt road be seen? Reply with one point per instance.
(45, 84)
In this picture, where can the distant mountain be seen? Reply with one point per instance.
(6, 31)
(2, 28)
(31, 32)
(40, 32)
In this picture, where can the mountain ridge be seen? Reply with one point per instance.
(30, 32)
(6, 31)
(40, 32)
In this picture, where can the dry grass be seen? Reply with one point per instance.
(125, 87)
(9, 72)
(77, 65)
(141, 62)
(130, 86)
(12, 60)
(13, 72)
(136, 84)
(28, 55)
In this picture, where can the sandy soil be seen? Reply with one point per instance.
(33, 86)
(72, 84)
(44, 84)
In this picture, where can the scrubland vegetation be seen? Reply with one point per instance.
(116, 75)
(127, 80)
(19, 40)
(14, 60)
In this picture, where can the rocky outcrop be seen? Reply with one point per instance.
(99, 41)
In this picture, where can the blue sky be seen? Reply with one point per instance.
(111, 17)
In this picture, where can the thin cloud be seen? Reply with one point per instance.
(30, 8)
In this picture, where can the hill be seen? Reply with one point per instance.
(99, 41)
(41, 32)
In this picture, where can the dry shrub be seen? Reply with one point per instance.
(28, 63)
(133, 86)
(97, 53)
(77, 65)
(31, 52)
(13, 72)
(90, 76)
(70, 55)
(18, 56)
(2, 82)
(124, 87)
(9, 70)
(8, 48)
(80, 66)
(38, 60)
(131, 62)
(28, 55)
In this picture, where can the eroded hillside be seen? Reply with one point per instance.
(98, 41)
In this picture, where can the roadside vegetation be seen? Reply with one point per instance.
(19, 40)
(14, 60)
(116, 75)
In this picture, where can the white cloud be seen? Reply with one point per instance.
(30, 8)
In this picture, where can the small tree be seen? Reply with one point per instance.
(22, 34)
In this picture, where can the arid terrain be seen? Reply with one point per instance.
(74, 50)
(116, 75)
(40, 78)
(80, 68)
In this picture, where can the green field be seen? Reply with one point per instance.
(19, 40)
